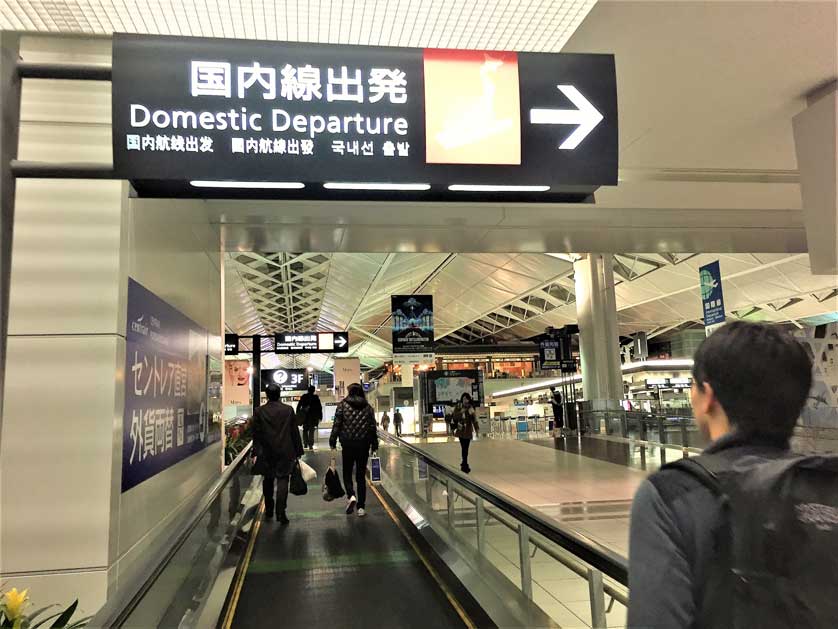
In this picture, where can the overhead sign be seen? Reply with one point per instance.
(231, 344)
(312, 343)
(288, 379)
(413, 324)
(657, 383)
(410, 359)
(712, 299)
(222, 117)
(568, 365)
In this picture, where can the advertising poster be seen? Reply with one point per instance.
(413, 324)
(236, 382)
(712, 300)
(821, 343)
(347, 371)
(166, 418)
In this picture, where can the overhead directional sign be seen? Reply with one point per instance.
(222, 117)
(312, 343)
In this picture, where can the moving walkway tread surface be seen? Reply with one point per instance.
(329, 569)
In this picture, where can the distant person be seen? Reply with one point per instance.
(385, 421)
(355, 427)
(464, 420)
(311, 410)
(397, 422)
(276, 446)
(558, 410)
(745, 534)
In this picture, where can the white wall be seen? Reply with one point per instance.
(66, 530)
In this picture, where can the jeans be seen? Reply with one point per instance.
(464, 444)
(281, 494)
(356, 455)
(308, 436)
(398, 430)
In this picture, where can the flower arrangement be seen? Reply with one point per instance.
(13, 613)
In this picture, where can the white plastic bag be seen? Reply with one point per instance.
(307, 471)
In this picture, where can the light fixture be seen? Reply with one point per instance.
(463, 187)
(280, 185)
(351, 185)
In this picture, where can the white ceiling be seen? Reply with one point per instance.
(505, 297)
(526, 25)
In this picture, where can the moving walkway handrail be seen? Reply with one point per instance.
(117, 610)
(587, 550)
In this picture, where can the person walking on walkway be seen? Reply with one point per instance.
(397, 422)
(311, 410)
(385, 421)
(355, 427)
(464, 421)
(276, 447)
(558, 411)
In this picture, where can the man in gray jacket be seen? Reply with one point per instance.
(750, 383)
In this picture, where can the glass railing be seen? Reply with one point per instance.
(187, 585)
(522, 567)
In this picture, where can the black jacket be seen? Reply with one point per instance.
(313, 409)
(671, 546)
(354, 424)
(276, 440)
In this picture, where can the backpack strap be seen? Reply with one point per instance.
(707, 469)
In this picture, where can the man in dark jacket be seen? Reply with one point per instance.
(312, 411)
(276, 446)
(355, 427)
(750, 383)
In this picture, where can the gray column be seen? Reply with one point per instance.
(596, 312)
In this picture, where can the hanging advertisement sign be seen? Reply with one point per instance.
(347, 371)
(712, 299)
(237, 382)
(165, 418)
(413, 324)
(195, 116)
(549, 354)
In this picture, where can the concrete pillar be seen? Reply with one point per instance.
(596, 311)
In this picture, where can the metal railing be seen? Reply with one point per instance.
(605, 572)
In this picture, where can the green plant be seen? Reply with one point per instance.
(13, 613)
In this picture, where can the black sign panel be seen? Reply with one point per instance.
(288, 379)
(568, 365)
(312, 343)
(549, 354)
(218, 117)
(413, 323)
(231, 344)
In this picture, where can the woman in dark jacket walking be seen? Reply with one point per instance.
(464, 421)
(355, 427)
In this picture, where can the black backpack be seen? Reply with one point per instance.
(778, 541)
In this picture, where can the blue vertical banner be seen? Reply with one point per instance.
(166, 418)
(712, 299)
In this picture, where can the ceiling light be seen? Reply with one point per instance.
(281, 185)
(375, 186)
(489, 188)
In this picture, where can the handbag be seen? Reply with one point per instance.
(308, 472)
(332, 489)
(297, 485)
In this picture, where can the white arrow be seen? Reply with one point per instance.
(340, 341)
(586, 116)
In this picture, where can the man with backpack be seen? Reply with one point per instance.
(746, 534)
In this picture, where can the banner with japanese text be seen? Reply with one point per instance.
(165, 418)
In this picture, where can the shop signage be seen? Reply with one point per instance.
(549, 354)
(418, 358)
(568, 365)
(657, 383)
(413, 324)
(312, 343)
(712, 299)
(199, 117)
(165, 418)
(288, 379)
(231, 344)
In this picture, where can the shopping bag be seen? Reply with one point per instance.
(332, 489)
(375, 469)
(309, 473)
(297, 485)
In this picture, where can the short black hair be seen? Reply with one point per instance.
(311, 388)
(760, 374)
(273, 391)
